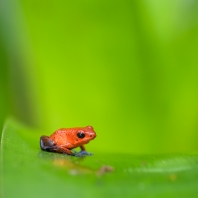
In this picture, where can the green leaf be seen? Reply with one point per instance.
(29, 172)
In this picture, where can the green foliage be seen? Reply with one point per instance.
(129, 68)
(27, 171)
(125, 67)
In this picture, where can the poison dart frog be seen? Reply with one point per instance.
(65, 139)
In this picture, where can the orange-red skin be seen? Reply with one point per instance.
(65, 139)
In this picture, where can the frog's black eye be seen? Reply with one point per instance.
(80, 134)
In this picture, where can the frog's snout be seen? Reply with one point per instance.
(92, 135)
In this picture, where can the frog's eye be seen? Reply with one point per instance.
(80, 134)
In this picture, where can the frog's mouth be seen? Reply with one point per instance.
(92, 135)
(89, 139)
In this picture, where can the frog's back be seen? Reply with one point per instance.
(61, 136)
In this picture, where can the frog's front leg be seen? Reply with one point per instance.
(49, 145)
(83, 148)
(83, 152)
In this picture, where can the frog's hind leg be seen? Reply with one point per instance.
(46, 144)
(49, 145)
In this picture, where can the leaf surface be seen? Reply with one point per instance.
(29, 172)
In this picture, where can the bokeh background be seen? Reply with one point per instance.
(129, 68)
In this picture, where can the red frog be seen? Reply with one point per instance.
(65, 139)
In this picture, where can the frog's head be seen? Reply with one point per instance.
(84, 135)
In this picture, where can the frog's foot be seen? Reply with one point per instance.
(83, 153)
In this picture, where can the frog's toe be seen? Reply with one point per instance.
(83, 153)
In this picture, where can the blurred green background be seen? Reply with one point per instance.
(128, 68)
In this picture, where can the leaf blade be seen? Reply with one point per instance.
(29, 172)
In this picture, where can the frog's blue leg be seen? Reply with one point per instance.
(83, 152)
